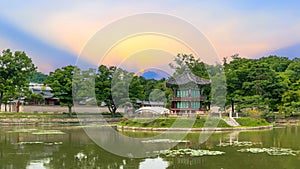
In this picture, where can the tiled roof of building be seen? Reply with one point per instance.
(186, 77)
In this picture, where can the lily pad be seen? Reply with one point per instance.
(189, 152)
(274, 151)
(38, 142)
(238, 144)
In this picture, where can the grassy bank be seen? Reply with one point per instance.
(251, 122)
(185, 122)
(173, 122)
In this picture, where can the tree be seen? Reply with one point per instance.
(15, 70)
(115, 87)
(291, 102)
(83, 80)
(35, 98)
(136, 89)
(195, 65)
(103, 87)
(61, 83)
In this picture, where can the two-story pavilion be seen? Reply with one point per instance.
(188, 93)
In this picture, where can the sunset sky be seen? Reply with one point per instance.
(53, 33)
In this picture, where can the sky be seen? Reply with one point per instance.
(56, 33)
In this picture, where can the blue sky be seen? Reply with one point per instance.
(54, 32)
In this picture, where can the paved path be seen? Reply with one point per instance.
(231, 122)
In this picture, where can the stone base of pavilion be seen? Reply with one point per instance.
(187, 113)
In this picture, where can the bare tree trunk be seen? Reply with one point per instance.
(232, 106)
(1, 96)
(70, 111)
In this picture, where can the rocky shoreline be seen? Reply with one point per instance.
(60, 121)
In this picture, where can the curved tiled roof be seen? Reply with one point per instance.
(186, 77)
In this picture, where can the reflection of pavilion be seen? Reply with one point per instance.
(188, 94)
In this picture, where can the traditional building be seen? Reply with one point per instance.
(188, 94)
(45, 92)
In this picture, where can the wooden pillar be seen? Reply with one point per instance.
(200, 98)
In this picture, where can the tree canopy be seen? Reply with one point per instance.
(61, 83)
(15, 70)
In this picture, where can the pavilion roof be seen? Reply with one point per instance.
(186, 77)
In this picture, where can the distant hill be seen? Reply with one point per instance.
(291, 52)
(155, 75)
(38, 77)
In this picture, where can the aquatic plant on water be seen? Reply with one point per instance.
(165, 141)
(238, 144)
(189, 152)
(274, 151)
(39, 142)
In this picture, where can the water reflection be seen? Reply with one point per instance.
(78, 151)
(38, 164)
(157, 163)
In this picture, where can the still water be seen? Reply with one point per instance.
(69, 147)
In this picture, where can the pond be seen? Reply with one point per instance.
(70, 147)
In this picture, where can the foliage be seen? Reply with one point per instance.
(117, 87)
(195, 65)
(15, 70)
(291, 102)
(61, 83)
(256, 83)
(38, 77)
(82, 83)
(36, 98)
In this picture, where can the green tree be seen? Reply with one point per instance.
(195, 65)
(108, 91)
(35, 98)
(61, 83)
(136, 89)
(256, 82)
(15, 70)
(115, 87)
(235, 75)
(291, 102)
(83, 80)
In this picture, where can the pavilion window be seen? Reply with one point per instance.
(182, 93)
(182, 105)
(195, 93)
(195, 105)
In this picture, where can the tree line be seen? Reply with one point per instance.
(268, 84)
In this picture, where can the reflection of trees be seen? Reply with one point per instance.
(9, 156)
(18, 156)
(77, 151)
(88, 156)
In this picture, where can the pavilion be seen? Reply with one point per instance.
(187, 93)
